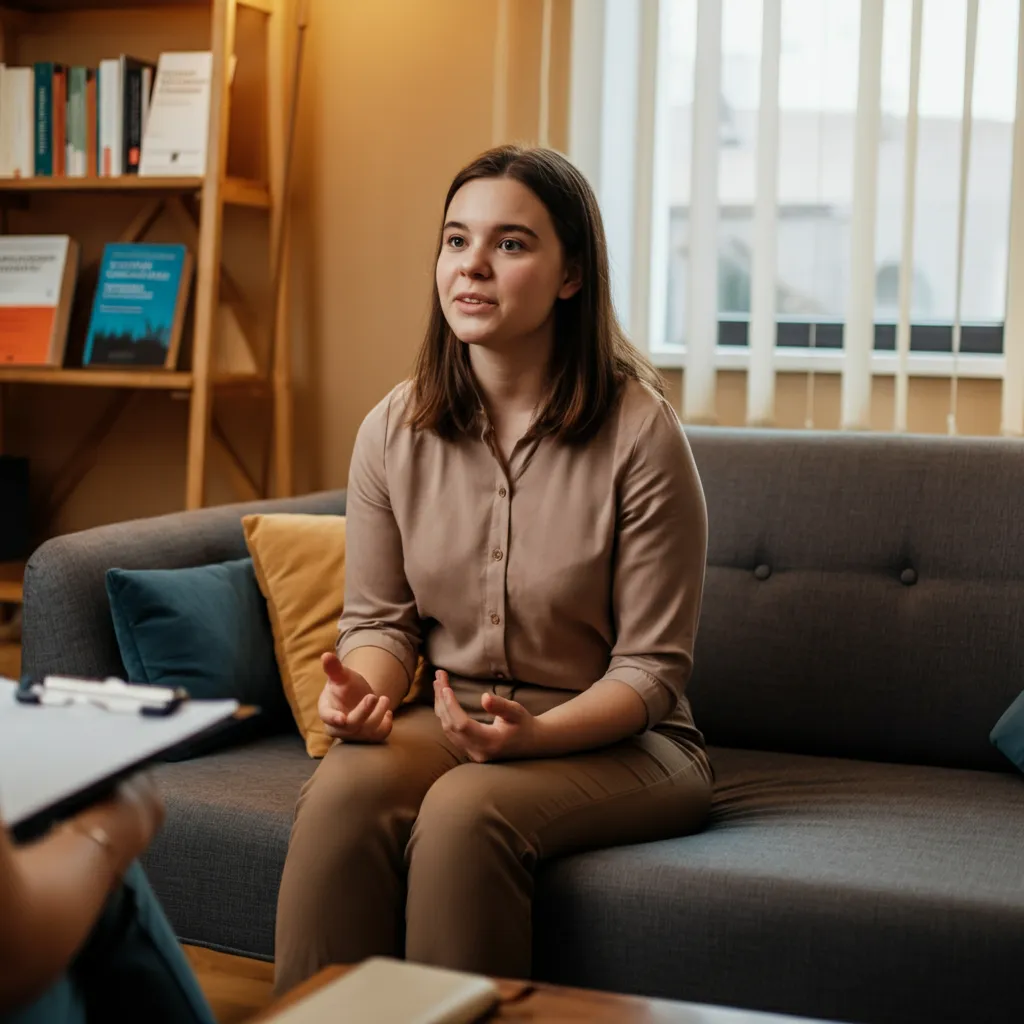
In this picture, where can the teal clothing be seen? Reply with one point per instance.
(131, 968)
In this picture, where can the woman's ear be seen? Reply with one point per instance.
(573, 281)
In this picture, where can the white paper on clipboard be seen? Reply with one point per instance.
(48, 754)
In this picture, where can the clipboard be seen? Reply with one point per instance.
(67, 744)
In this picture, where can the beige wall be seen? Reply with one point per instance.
(396, 96)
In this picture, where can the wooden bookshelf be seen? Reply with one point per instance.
(196, 206)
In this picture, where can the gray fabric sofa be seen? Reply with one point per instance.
(862, 630)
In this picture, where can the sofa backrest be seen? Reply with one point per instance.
(67, 625)
(864, 595)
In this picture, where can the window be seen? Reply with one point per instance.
(821, 267)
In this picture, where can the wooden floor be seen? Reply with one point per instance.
(238, 988)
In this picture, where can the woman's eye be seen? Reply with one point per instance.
(510, 245)
(456, 241)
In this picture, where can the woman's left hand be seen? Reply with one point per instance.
(512, 733)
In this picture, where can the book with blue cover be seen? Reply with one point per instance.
(139, 308)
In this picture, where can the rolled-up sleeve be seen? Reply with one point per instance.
(379, 609)
(659, 565)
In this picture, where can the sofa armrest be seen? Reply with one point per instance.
(67, 626)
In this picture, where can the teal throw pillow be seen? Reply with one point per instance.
(204, 628)
(1008, 734)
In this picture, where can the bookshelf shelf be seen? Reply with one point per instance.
(235, 192)
(147, 380)
(156, 380)
(63, 6)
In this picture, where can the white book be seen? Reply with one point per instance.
(111, 158)
(17, 123)
(174, 143)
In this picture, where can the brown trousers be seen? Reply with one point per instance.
(409, 847)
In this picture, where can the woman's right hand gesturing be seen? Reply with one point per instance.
(349, 709)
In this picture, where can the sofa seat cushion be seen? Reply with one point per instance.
(217, 863)
(831, 888)
(838, 889)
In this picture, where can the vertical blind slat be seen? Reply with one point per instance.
(909, 212)
(761, 375)
(858, 340)
(586, 88)
(971, 37)
(702, 299)
(1013, 333)
(648, 74)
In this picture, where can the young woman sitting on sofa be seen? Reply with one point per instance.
(526, 514)
(82, 937)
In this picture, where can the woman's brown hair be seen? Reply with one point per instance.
(591, 358)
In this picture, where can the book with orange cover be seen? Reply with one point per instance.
(37, 284)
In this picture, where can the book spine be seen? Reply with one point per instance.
(43, 73)
(23, 101)
(60, 120)
(132, 143)
(91, 149)
(77, 122)
(109, 157)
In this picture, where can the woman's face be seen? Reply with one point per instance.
(501, 267)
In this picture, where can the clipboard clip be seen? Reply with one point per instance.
(111, 694)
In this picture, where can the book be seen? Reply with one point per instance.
(175, 140)
(139, 308)
(136, 82)
(37, 285)
(17, 123)
(49, 101)
(77, 143)
(390, 991)
(111, 134)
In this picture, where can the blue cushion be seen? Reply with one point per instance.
(204, 628)
(1008, 734)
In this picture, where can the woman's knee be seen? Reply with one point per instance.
(463, 814)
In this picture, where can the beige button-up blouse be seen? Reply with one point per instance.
(579, 563)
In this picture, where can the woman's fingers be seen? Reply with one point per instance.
(375, 718)
(440, 709)
(510, 710)
(331, 664)
(457, 718)
(361, 712)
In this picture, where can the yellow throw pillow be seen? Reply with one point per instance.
(299, 561)
(300, 566)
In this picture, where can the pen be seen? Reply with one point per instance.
(111, 694)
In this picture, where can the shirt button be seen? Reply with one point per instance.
(495, 620)
(502, 492)
(499, 675)
(497, 555)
